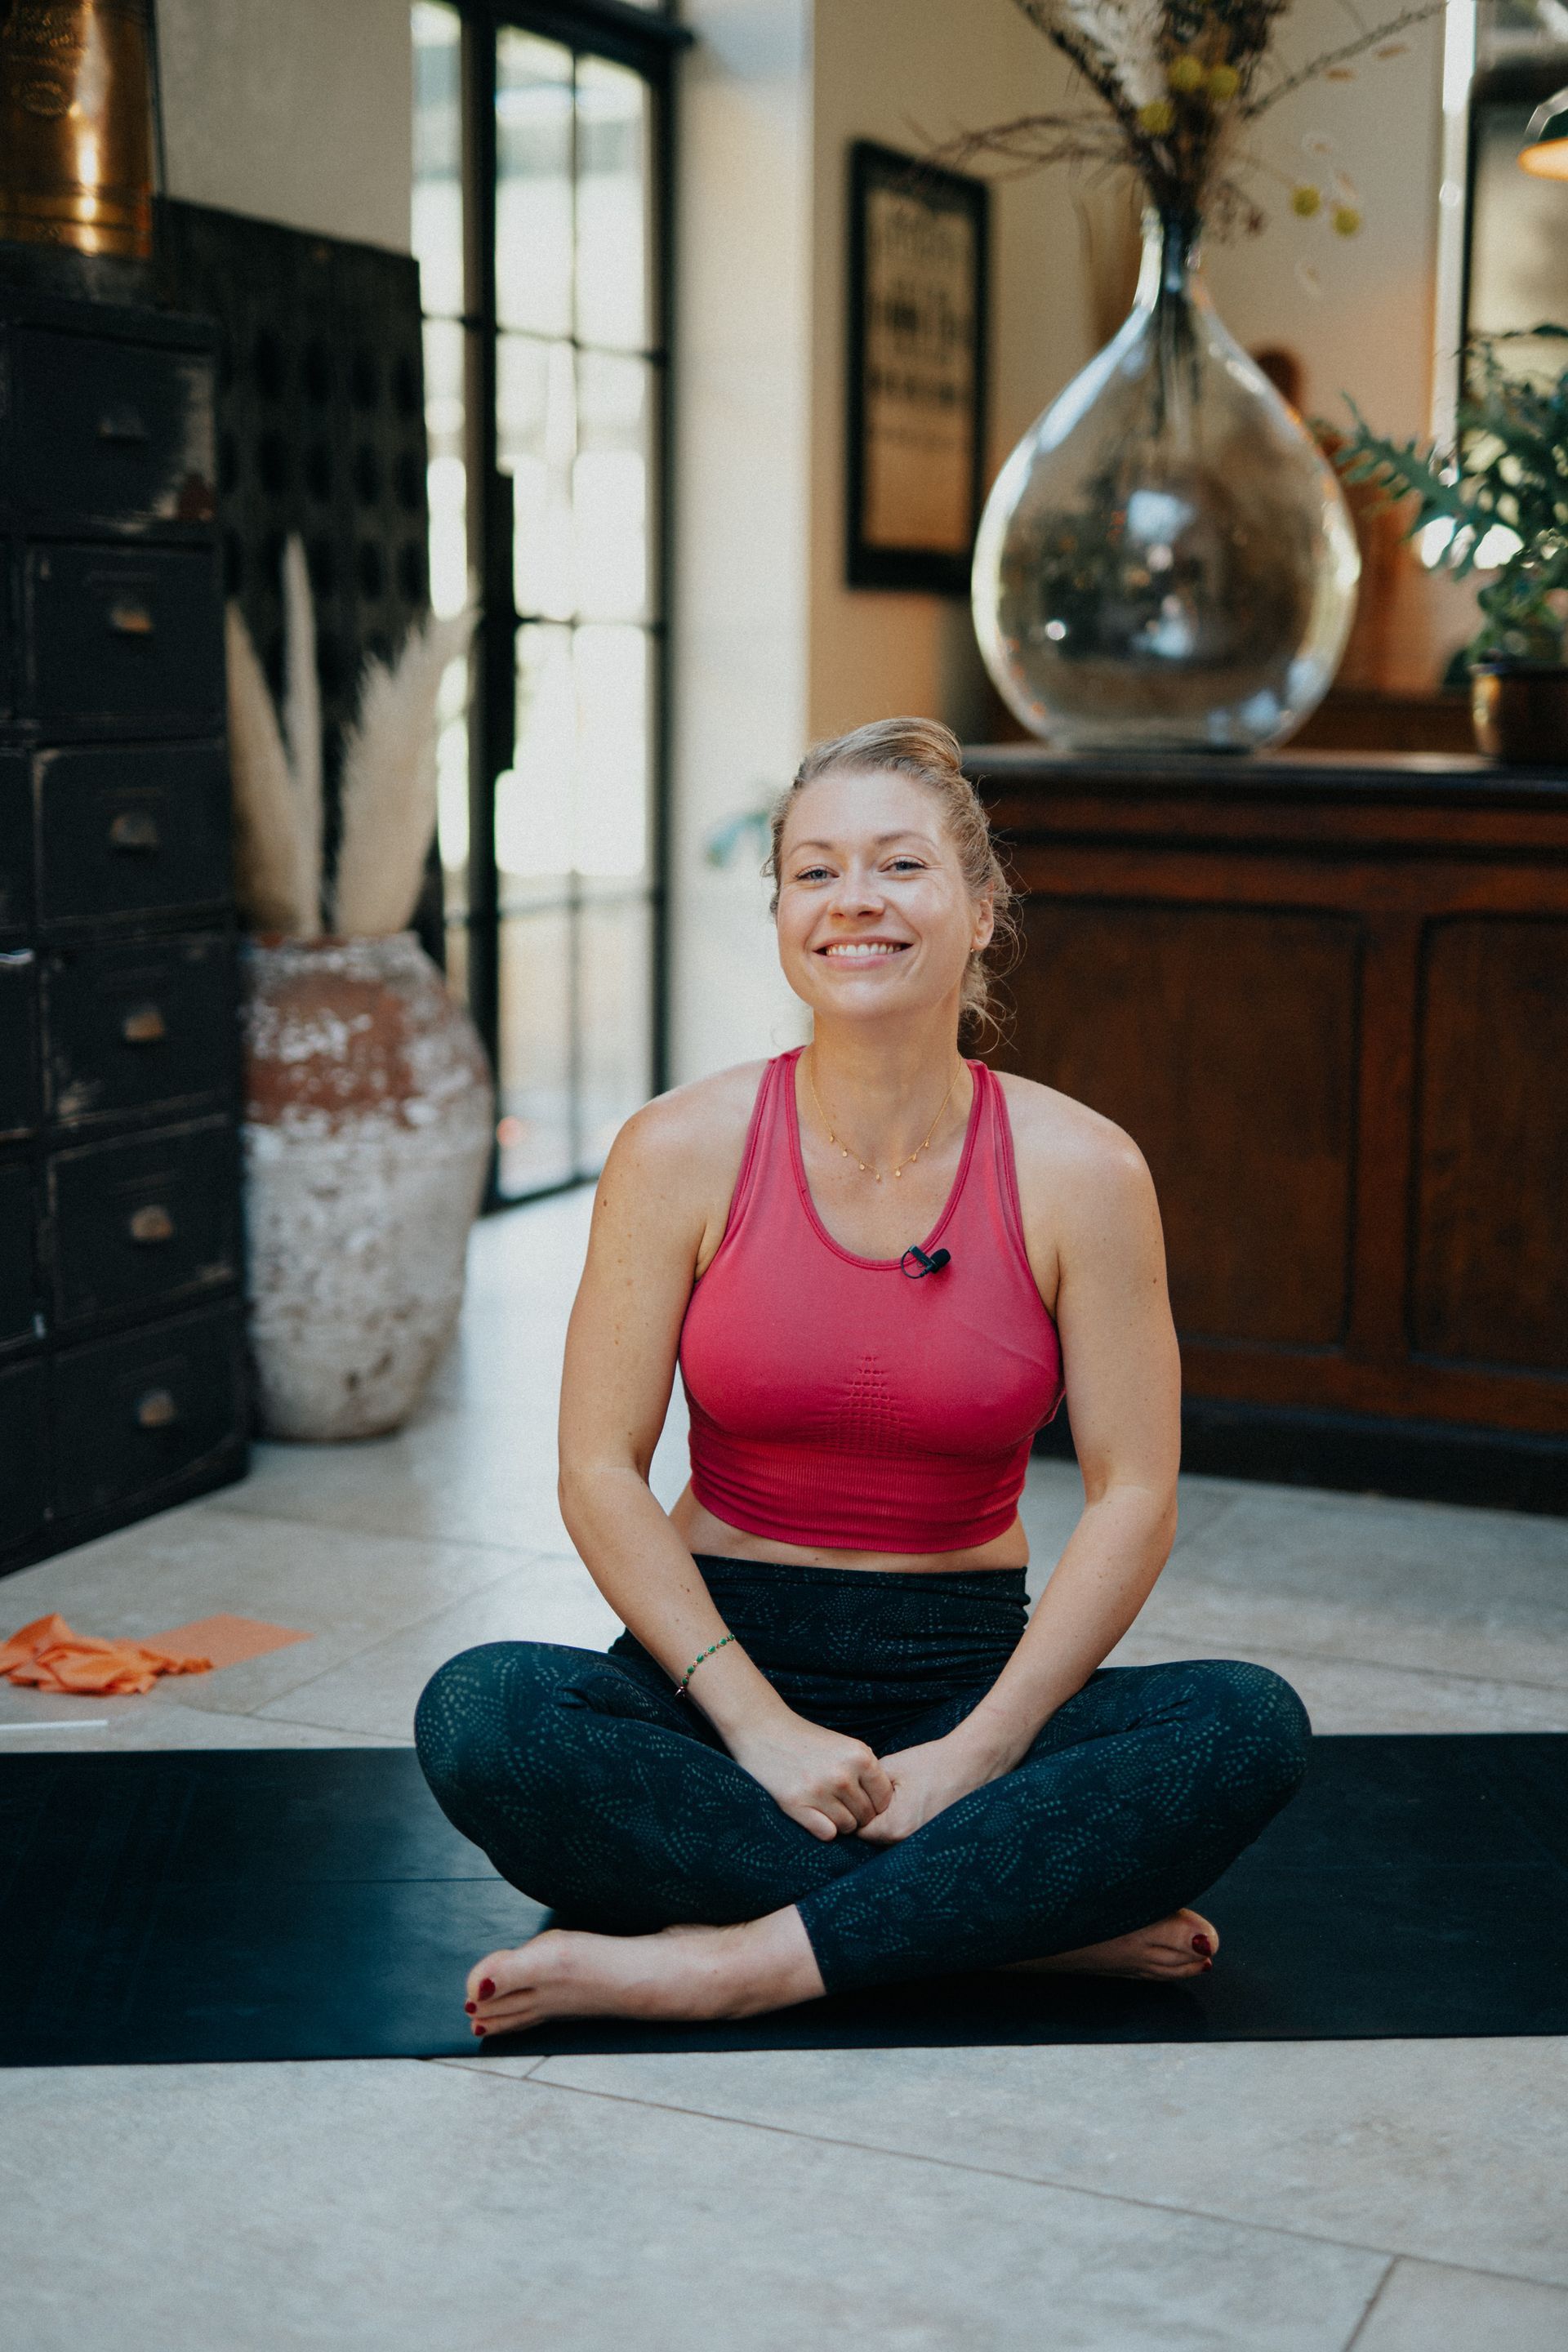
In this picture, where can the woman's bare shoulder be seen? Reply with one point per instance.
(689, 1141)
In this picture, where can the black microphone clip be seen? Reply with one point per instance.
(924, 1265)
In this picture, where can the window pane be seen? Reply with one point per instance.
(612, 206)
(452, 784)
(533, 183)
(609, 485)
(533, 798)
(446, 479)
(610, 827)
(438, 213)
(536, 429)
(612, 949)
(534, 1130)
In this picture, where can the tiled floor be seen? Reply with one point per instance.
(1268, 2198)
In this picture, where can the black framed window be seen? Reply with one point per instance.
(542, 141)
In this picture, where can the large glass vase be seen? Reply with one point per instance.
(1167, 562)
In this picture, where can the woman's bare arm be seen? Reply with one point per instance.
(1123, 1376)
(669, 1175)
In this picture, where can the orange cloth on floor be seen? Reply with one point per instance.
(49, 1656)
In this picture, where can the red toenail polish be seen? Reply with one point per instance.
(1202, 1944)
(1206, 1967)
(481, 2030)
(487, 1989)
(470, 2006)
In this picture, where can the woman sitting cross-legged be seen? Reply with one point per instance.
(831, 1750)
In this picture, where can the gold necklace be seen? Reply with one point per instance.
(900, 1165)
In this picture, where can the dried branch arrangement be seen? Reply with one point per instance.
(388, 783)
(1177, 85)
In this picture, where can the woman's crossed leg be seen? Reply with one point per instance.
(595, 1790)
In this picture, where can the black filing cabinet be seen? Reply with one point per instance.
(122, 1359)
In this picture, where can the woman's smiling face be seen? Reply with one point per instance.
(874, 914)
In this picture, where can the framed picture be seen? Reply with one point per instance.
(916, 370)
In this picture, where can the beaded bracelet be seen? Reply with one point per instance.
(692, 1669)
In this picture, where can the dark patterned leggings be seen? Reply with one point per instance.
(597, 1790)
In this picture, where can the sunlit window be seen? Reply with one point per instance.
(547, 308)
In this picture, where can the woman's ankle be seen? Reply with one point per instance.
(772, 1964)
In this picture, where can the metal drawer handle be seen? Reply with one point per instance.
(144, 1027)
(131, 620)
(152, 1223)
(156, 1409)
(121, 425)
(135, 829)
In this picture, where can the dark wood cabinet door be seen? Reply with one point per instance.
(25, 1452)
(136, 830)
(19, 1301)
(16, 843)
(1491, 1282)
(109, 433)
(146, 1411)
(143, 1222)
(18, 1056)
(1223, 1039)
(124, 636)
(135, 1024)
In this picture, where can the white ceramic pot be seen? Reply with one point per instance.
(369, 1116)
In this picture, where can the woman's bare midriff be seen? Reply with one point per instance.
(700, 1531)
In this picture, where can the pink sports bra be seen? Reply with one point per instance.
(836, 1401)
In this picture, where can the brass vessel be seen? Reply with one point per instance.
(75, 126)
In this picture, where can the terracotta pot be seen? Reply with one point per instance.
(1521, 716)
(368, 1116)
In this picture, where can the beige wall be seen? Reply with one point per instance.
(908, 73)
(743, 490)
(1357, 310)
(292, 110)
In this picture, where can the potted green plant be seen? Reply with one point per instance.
(1497, 505)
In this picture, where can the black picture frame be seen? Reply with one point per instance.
(891, 299)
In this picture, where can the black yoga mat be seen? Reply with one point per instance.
(315, 1903)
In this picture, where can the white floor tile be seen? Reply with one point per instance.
(1425, 2308)
(406, 2208)
(1449, 2150)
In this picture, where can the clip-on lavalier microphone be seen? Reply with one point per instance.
(924, 1265)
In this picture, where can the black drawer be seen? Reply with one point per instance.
(147, 1411)
(131, 832)
(19, 1278)
(138, 1023)
(146, 1220)
(127, 636)
(24, 1452)
(16, 844)
(109, 432)
(18, 1023)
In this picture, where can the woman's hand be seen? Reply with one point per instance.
(823, 1779)
(926, 1781)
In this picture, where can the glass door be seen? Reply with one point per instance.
(539, 213)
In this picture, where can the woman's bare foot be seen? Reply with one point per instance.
(1181, 1945)
(682, 1972)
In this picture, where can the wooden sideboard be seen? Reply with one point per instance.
(1328, 996)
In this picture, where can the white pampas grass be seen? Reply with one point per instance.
(302, 713)
(388, 784)
(276, 888)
